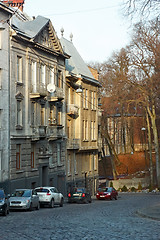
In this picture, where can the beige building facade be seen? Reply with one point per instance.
(82, 121)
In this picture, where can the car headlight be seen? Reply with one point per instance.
(2, 202)
(26, 201)
(109, 194)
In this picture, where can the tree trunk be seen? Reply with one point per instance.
(150, 150)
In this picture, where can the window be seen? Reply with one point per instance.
(51, 75)
(59, 79)
(86, 99)
(52, 118)
(59, 116)
(94, 100)
(19, 113)
(0, 118)
(33, 113)
(91, 100)
(94, 162)
(83, 98)
(0, 160)
(19, 69)
(75, 164)
(0, 78)
(59, 154)
(43, 75)
(18, 156)
(85, 130)
(42, 115)
(32, 155)
(34, 76)
(1, 31)
(69, 164)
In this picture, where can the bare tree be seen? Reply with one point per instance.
(142, 7)
(145, 65)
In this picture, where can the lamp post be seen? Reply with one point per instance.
(145, 152)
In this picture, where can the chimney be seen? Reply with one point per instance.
(14, 3)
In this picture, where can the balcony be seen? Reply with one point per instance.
(73, 143)
(38, 91)
(42, 131)
(56, 96)
(54, 132)
(72, 109)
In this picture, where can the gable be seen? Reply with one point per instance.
(48, 38)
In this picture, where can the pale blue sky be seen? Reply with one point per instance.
(98, 27)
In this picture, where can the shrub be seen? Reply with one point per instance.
(124, 189)
(133, 189)
(111, 184)
(139, 186)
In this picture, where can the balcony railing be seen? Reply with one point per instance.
(42, 131)
(54, 132)
(58, 95)
(72, 109)
(73, 143)
(38, 91)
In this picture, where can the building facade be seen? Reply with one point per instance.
(82, 121)
(32, 115)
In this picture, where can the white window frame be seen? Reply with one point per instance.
(34, 76)
(59, 154)
(43, 75)
(19, 69)
(19, 113)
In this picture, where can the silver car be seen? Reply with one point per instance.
(50, 196)
(26, 199)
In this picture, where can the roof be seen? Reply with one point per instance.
(29, 29)
(75, 65)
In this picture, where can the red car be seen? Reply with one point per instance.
(107, 193)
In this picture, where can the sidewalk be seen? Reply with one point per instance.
(151, 212)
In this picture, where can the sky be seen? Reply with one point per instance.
(98, 27)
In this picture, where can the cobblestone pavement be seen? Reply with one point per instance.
(99, 220)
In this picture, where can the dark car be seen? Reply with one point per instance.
(4, 203)
(79, 194)
(107, 193)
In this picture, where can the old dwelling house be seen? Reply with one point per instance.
(82, 121)
(32, 106)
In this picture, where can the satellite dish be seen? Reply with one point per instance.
(51, 88)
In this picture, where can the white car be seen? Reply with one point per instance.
(49, 196)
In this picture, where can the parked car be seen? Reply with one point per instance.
(79, 194)
(4, 203)
(26, 199)
(50, 196)
(107, 193)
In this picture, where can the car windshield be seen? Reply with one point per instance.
(42, 190)
(105, 189)
(22, 193)
(1, 194)
(78, 190)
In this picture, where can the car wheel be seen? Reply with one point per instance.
(31, 207)
(111, 198)
(5, 212)
(61, 203)
(116, 197)
(38, 206)
(51, 203)
(90, 200)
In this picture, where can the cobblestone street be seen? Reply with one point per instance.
(98, 220)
